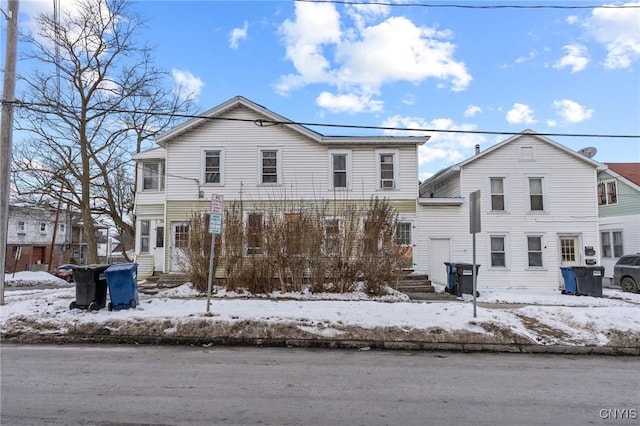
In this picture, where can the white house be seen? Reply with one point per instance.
(538, 212)
(243, 151)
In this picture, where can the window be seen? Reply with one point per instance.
(213, 166)
(22, 227)
(611, 244)
(498, 252)
(387, 169)
(534, 250)
(526, 153)
(153, 176)
(293, 222)
(340, 169)
(160, 236)
(254, 233)
(144, 236)
(332, 240)
(43, 227)
(607, 193)
(568, 249)
(403, 233)
(269, 166)
(536, 199)
(497, 194)
(181, 236)
(61, 227)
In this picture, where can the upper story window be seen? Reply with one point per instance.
(153, 175)
(213, 166)
(497, 194)
(526, 153)
(43, 227)
(607, 193)
(270, 167)
(22, 226)
(536, 194)
(340, 169)
(61, 227)
(387, 165)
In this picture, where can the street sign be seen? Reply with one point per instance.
(217, 201)
(474, 212)
(215, 220)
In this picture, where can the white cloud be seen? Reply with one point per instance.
(520, 114)
(532, 55)
(450, 147)
(378, 50)
(576, 58)
(350, 103)
(472, 111)
(572, 19)
(188, 85)
(572, 111)
(238, 34)
(618, 29)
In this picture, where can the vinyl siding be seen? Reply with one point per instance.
(628, 199)
(630, 227)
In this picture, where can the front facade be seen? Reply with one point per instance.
(244, 152)
(619, 212)
(31, 243)
(538, 212)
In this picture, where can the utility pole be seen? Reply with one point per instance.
(6, 132)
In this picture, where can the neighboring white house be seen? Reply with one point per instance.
(246, 152)
(619, 211)
(539, 211)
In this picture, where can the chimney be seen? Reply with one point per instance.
(477, 148)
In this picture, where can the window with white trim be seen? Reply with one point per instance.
(536, 194)
(387, 167)
(534, 251)
(145, 226)
(403, 233)
(340, 169)
(497, 194)
(607, 193)
(611, 242)
(498, 251)
(22, 226)
(43, 227)
(153, 175)
(213, 166)
(270, 167)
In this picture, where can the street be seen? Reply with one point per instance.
(177, 385)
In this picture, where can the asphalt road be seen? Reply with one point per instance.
(164, 385)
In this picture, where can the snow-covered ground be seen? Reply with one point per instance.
(38, 303)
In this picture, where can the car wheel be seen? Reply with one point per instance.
(628, 284)
(69, 279)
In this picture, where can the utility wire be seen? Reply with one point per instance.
(268, 123)
(472, 6)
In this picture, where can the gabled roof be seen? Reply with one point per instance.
(449, 171)
(629, 171)
(271, 117)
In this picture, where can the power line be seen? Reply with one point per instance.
(268, 123)
(472, 6)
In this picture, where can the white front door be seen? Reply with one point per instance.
(569, 250)
(179, 242)
(158, 250)
(440, 252)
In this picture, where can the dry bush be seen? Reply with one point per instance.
(234, 242)
(198, 251)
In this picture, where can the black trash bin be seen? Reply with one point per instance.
(91, 287)
(589, 280)
(464, 278)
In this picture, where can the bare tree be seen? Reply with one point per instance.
(94, 96)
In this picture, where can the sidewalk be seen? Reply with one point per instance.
(511, 321)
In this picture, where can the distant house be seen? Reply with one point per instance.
(30, 238)
(237, 151)
(619, 212)
(539, 211)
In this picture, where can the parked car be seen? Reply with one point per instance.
(626, 273)
(64, 272)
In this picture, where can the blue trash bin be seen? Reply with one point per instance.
(570, 282)
(123, 286)
(451, 278)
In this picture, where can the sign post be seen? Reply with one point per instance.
(474, 225)
(215, 228)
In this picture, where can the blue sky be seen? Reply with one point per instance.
(567, 71)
